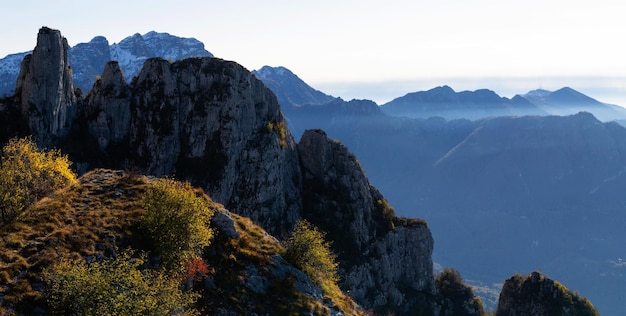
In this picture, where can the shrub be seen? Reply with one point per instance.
(28, 174)
(177, 220)
(114, 287)
(307, 250)
(449, 284)
(195, 269)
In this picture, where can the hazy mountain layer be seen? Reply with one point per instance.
(445, 102)
(501, 195)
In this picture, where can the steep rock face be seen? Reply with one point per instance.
(538, 295)
(107, 107)
(209, 120)
(45, 90)
(386, 262)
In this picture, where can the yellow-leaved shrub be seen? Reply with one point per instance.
(177, 220)
(28, 174)
(115, 287)
(308, 251)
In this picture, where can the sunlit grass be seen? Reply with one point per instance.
(73, 222)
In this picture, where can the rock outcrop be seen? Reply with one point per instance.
(385, 261)
(538, 295)
(107, 108)
(44, 89)
(211, 121)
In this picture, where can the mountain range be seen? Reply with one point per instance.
(88, 59)
(213, 123)
(503, 192)
(483, 103)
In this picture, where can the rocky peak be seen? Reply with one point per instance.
(107, 109)
(385, 261)
(536, 294)
(213, 122)
(45, 90)
(289, 88)
(88, 60)
(134, 50)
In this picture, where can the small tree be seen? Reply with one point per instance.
(115, 287)
(28, 174)
(461, 297)
(307, 249)
(177, 219)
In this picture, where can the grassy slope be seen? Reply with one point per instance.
(100, 213)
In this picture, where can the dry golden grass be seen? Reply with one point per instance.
(255, 242)
(96, 213)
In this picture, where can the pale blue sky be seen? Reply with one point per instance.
(371, 49)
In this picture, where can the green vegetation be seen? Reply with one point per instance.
(281, 129)
(387, 212)
(28, 174)
(543, 296)
(115, 287)
(86, 219)
(177, 220)
(459, 298)
(307, 249)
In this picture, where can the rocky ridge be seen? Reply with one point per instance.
(88, 59)
(214, 123)
(339, 199)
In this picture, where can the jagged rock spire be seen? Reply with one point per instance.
(44, 88)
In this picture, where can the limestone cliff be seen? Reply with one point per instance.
(44, 89)
(386, 261)
(108, 107)
(202, 119)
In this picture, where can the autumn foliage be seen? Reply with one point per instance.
(115, 287)
(177, 220)
(308, 250)
(28, 174)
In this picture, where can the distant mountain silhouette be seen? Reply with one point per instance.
(290, 90)
(567, 101)
(445, 102)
